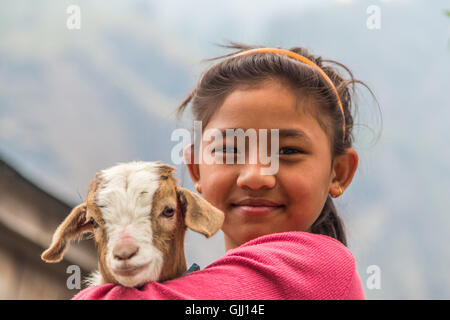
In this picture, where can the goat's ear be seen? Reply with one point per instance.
(200, 215)
(72, 227)
(165, 170)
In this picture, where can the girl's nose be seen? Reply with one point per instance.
(250, 177)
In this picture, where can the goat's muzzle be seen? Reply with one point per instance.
(125, 249)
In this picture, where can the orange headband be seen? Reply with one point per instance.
(301, 58)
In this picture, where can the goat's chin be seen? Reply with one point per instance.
(138, 278)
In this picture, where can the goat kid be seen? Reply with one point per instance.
(138, 217)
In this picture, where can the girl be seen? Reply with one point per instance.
(283, 236)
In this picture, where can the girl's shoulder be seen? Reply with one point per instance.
(320, 266)
(297, 244)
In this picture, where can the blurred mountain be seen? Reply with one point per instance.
(73, 102)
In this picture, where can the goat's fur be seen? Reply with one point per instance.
(127, 201)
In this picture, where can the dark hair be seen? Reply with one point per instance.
(218, 81)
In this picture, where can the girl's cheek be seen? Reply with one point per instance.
(217, 171)
(293, 182)
(216, 183)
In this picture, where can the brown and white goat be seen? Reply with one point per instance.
(138, 217)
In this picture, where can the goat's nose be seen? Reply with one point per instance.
(125, 250)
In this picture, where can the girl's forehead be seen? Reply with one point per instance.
(270, 107)
(267, 95)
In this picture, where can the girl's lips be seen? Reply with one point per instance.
(256, 202)
(256, 210)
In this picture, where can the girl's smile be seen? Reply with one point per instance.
(256, 206)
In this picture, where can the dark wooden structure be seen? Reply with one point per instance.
(28, 218)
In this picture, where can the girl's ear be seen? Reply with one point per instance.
(72, 227)
(344, 169)
(199, 214)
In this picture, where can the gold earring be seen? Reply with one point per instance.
(197, 188)
(340, 192)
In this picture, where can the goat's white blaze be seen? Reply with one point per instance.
(125, 200)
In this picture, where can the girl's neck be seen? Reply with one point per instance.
(230, 243)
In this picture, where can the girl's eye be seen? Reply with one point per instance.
(227, 150)
(289, 150)
(168, 212)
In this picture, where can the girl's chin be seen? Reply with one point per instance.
(246, 232)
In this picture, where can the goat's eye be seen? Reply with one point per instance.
(93, 223)
(168, 212)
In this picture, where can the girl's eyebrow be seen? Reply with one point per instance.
(294, 133)
(282, 133)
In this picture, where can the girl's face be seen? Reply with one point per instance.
(305, 173)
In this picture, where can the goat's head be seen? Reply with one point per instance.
(138, 217)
